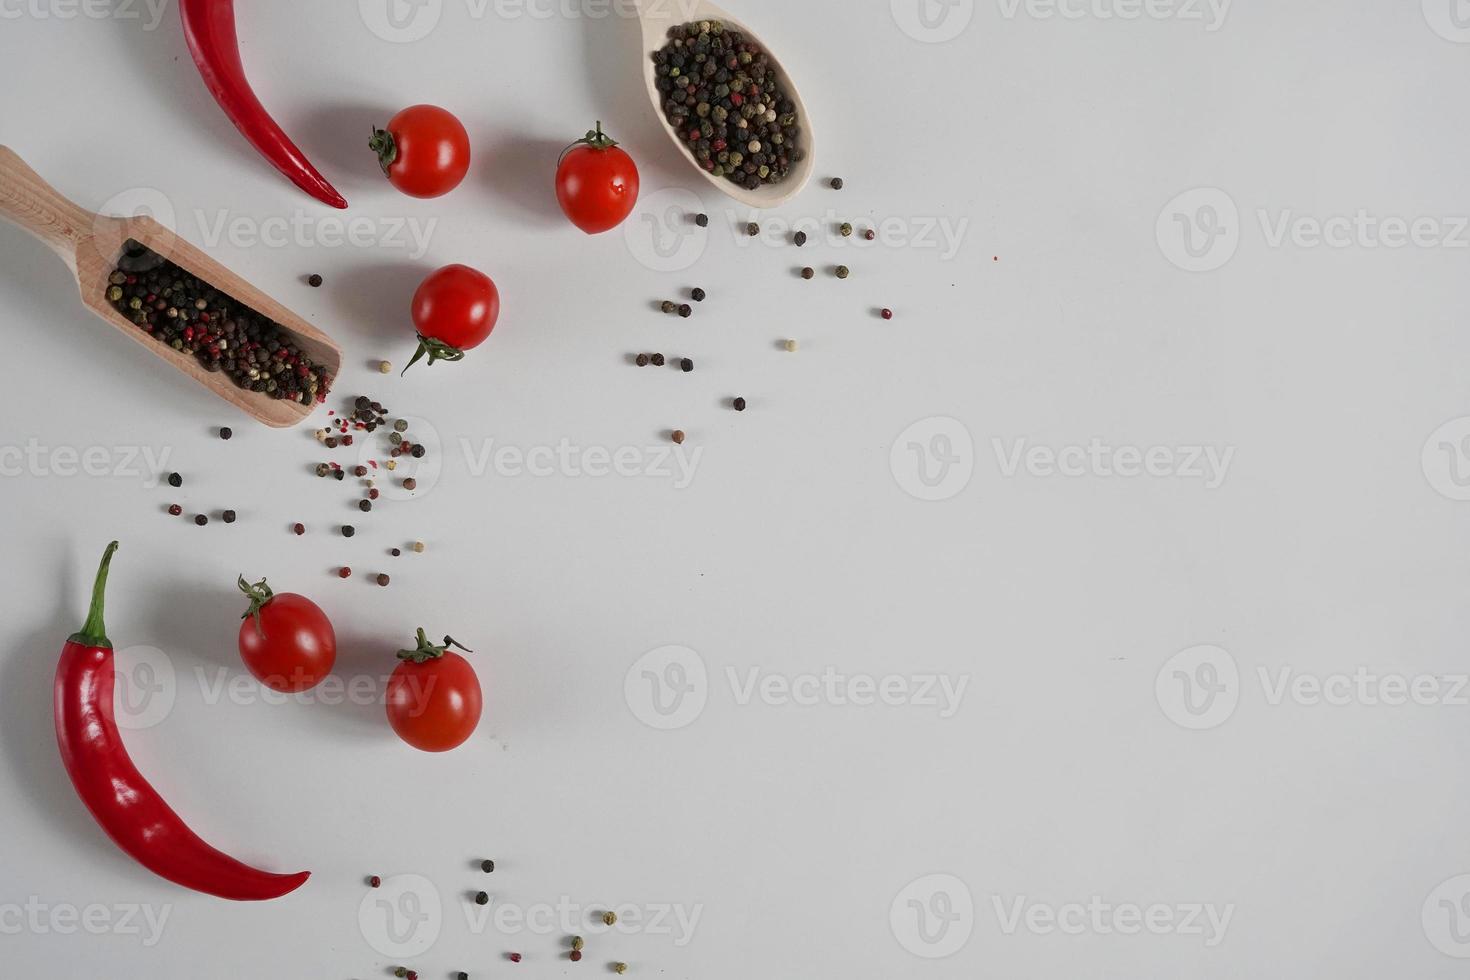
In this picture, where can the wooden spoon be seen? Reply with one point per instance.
(657, 16)
(91, 245)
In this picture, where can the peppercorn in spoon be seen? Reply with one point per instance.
(179, 303)
(727, 101)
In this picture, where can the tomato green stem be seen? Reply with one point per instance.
(425, 651)
(595, 138)
(385, 147)
(258, 594)
(93, 633)
(436, 350)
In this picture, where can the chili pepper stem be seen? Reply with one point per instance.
(436, 350)
(93, 633)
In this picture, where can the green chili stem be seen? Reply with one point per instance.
(93, 633)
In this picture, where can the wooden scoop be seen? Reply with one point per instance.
(657, 16)
(91, 245)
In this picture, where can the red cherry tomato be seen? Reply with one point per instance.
(425, 151)
(596, 183)
(454, 310)
(434, 699)
(286, 641)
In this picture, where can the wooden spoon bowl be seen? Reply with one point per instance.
(656, 17)
(91, 245)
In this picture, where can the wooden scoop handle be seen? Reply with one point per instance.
(36, 206)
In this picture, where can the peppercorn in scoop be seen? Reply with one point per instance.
(721, 94)
(192, 317)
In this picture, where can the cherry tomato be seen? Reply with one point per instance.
(596, 183)
(434, 699)
(425, 151)
(454, 310)
(286, 641)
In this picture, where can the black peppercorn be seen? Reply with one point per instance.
(229, 516)
(383, 580)
(800, 238)
(641, 360)
(364, 505)
(482, 898)
(395, 552)
(658, 360)
(226, 433)
(843, 272)
(837, 183)
(417, 452)
(702, 220)
(201, 520)
(175, 480)
(686, 311)
(686, 365)
(698, 295)
(348, 530)
(314, 280)
(487, 866)
(808, 272)
(739, 404)
(752, 229)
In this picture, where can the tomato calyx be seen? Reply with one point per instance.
(258, 594)
(595, 139)
(426, 651)
(385, 146)
(435, 350)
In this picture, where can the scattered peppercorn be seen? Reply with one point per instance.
(395, 552)
(364, 505)
(887, 313)
(359, 470)
(792, 346)
(201, 520)
(702, 220)
(175, 510)
(418, 547)
(348, 530)
(383, 580)
(461, 975)
(641, 360)
(686, 365)
(375, 882)
(344, 572)
(226, 433)
(314, 280)
(418, 451)
(843, 272)
(331, 442)
(609, 918)
(740, 404)
(373, 494)
(845, 230)
(800, 239)
(575, 956)
(229, 516)
(698, 295)
(400, 425)
(487, 866)
(808, 272)
(752, 229)
(339, 475)
(658, 360)
(175, 480)
(299, 529)
(482, 898)
(578, 942)
(413, 975)
(410, 484)
(837, 183)
(678, 437)
(323, 469)
(870, 234)
(669, 306)
(514, 957)
(620, 968)
(685, 310)
(400, 972)
(385, 367)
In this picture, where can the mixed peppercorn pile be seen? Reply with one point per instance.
(722, 95)
(193, 317)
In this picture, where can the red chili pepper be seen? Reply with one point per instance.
(130, 810)
(209, 29)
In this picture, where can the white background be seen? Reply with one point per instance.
(1052, 145)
